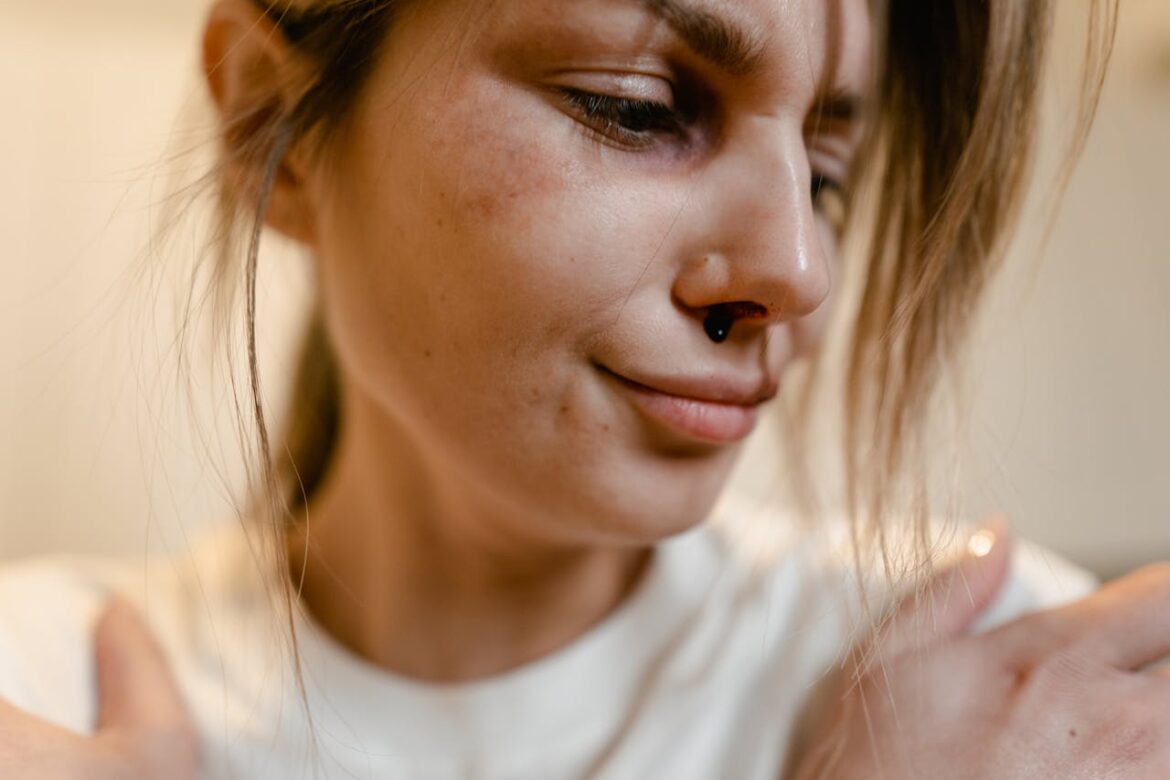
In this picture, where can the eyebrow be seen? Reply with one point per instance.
(730, 47)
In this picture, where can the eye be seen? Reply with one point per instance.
(828, 198)
(629, 122)
(824, 185)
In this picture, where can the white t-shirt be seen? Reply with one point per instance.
(700, 674)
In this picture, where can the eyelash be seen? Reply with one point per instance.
(822, 184)
(632, 124)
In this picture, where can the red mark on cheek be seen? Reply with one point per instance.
(505, 174)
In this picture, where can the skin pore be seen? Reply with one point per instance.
(519, 234)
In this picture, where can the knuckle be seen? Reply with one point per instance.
(1130, 736)
(1058, 674)
(1033, 639)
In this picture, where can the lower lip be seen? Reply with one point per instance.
(707, 421)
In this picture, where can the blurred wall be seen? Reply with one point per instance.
(1070, 431)
(90, 93)
(1070, 421)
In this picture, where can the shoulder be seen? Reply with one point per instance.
(1039, 579)
(807, 599)
(810, 573)
(48, 608)
(194, 601)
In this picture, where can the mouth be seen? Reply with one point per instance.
(713, 409)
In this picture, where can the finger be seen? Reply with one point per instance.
(1126, 624)
(951, 600)
(135, 687)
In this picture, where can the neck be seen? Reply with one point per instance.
(432, 577)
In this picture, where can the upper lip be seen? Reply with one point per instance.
(709, 388)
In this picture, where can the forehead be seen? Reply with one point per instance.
(834, 38)
(819, 45)
(808, 46)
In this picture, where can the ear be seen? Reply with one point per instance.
(255, 78)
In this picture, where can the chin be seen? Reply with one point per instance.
(642, 507)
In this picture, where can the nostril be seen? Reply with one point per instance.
(721, 317)
(746, 310)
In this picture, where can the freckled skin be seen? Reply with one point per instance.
(480, 253)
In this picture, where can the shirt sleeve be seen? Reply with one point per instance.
(47, 613)
(1039, 579)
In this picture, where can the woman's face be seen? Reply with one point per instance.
(533, 211)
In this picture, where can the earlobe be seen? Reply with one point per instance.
(255, 81)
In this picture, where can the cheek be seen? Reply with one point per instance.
(462, 250)
(491, 223)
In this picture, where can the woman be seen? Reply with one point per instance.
(565, 253)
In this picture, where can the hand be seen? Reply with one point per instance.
(143, 730)
(1057, 694)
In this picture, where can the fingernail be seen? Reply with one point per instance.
(982, 542)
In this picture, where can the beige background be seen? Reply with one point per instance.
(1070, 424)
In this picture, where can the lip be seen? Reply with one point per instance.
(712, 409)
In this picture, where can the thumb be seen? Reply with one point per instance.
(136, 690)
(950, 600)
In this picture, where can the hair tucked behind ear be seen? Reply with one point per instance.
(338, 42)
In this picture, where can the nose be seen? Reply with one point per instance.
(755, 254)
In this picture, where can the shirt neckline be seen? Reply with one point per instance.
(566, 695)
